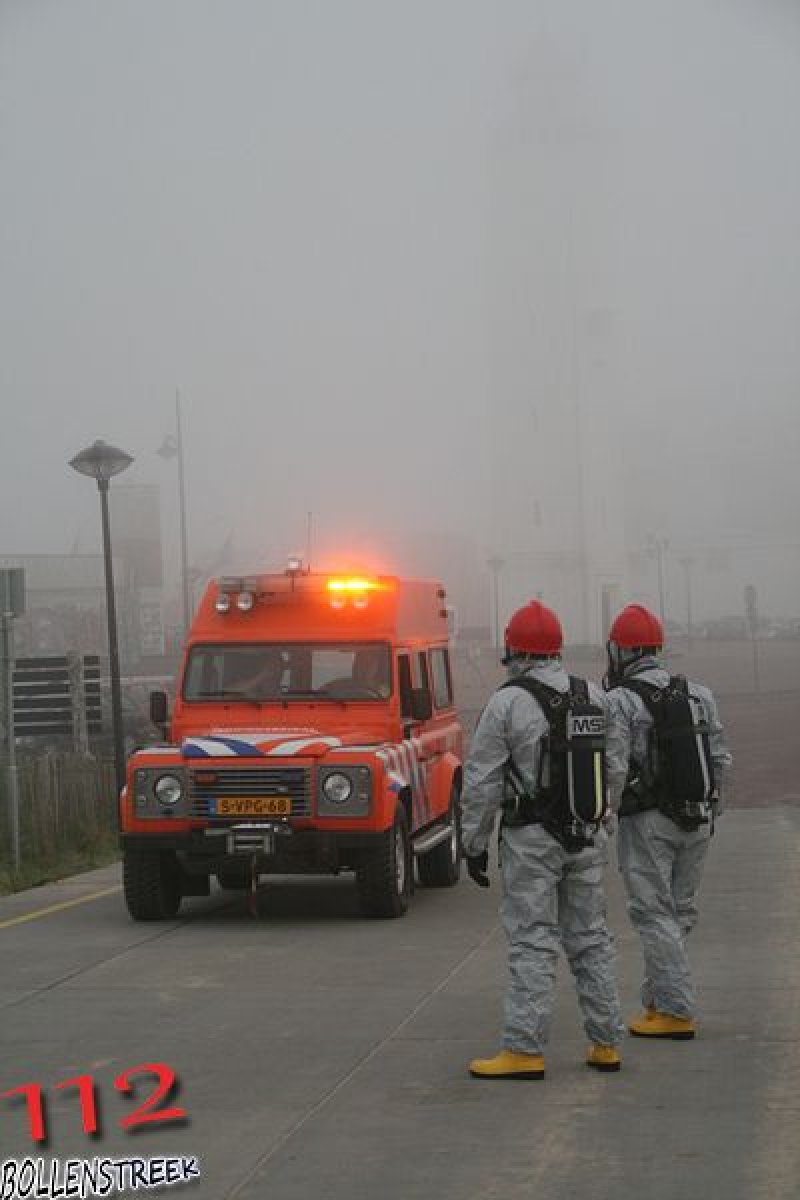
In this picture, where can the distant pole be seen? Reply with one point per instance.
(309, 528)
(687, 563)
(756, 676)
(187, 606)
(495, 564)
(583, 550)
(12, 604)
(656, 546)
(751, 610)
(11, 741)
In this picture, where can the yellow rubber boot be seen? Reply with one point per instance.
(508, 1064)
(661, 1025)
(603, 1058)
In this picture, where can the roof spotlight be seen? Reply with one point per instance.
(245, 601)
(223, 602)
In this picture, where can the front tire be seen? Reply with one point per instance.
(384, 881)
(152, 884)
(441, 866)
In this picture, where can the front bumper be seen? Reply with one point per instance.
(278, 848)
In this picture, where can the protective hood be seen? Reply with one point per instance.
(648, 669)
(550, 673)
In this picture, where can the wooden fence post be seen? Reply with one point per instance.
(80, 723)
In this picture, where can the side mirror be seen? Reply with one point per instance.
(421, 704)
(158, 709)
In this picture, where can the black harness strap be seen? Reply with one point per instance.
(541, 808)
(645, 789)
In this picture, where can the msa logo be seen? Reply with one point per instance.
(586, 726)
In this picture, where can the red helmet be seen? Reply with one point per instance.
(636, 626)
(534, 629)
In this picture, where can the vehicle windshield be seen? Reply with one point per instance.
(281, 671)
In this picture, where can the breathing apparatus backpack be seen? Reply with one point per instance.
(569, 796)
(678, 776)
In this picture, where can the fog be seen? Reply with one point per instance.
(465, 279)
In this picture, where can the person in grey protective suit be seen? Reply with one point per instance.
(662, 840)
(553, 897)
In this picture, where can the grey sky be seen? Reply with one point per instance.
(290, 210)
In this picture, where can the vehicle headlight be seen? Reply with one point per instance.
(168, 790)
(337, 788)
(344, 791)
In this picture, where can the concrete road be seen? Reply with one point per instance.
(320, 1054)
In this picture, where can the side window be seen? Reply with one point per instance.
(442, 682)
(404, 684)
(423, 681)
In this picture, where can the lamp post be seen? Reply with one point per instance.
(687, 562)
(495, 565)
(656, 546)
(172, 446)
(102, 462)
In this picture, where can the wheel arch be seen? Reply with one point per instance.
(405, 799)
(454, 768)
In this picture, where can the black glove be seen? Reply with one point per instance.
(476, 868)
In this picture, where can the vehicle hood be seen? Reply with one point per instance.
(268, 743)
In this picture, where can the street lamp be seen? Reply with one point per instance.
(495, 565)
(687, 562)
(172, 446)
(656, 546)
(102, 462)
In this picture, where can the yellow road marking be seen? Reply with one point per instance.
(54, 908)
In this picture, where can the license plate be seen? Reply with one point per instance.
(254, 806)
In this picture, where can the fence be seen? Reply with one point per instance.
(67, 807)
(57, 696)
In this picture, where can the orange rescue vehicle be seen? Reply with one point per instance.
(314, 730)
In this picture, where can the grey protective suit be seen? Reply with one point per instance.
(661, 864)
(551, 899)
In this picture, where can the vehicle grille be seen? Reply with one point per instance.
(294, 782)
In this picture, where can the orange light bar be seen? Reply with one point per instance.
(353, 585)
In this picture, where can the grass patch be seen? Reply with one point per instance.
(93, 849)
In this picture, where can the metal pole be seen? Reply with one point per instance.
(583, 552)
(113, 648)
(577, 358)
(687, 563)
(756, 676)
(494, 564)
(660, 553)
(187, 607)
(13, 780)
(309, 531)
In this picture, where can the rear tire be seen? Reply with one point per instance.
(152, 884)
(441, 866)
(384, 881)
